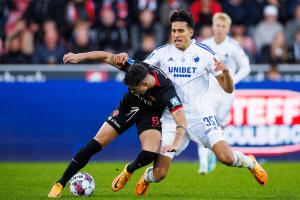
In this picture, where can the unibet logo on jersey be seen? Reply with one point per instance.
(175, 102)
(182, 71)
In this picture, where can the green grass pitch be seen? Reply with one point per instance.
(34, 180)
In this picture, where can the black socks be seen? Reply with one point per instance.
(143, 159)
(80, 160)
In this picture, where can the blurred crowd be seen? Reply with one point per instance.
(42, 31)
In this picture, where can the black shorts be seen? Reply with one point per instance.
(131, 111)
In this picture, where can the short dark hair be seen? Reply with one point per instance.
(135, 74)
(181, 15)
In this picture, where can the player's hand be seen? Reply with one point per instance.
(168, 148)
(120, 58)
(71, 58)
(219, 66)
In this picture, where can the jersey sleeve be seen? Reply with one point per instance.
(243, 63)
(172, 100)
(129, 62)
(153, 58)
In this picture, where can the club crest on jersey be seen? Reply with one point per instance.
(196, 59)
(175, 102)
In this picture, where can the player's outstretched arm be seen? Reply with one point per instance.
(181, 130)
(224, 79)
(120, 58)
(91, 56)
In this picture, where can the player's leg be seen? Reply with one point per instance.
(115, 125)
(159, 170)
(150, 136)
(104, 136)
(153, 174)
(150, 142)
(207, 159)
(238, 159)
(221, 106)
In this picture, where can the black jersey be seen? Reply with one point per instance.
(145, 110)
(162, 95)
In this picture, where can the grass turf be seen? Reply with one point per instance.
(34, 180)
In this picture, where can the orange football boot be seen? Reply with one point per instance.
(120, 181)
(258, 172)
(56, 191)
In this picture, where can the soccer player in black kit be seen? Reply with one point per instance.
(150, 93)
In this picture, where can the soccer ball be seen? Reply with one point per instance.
(82, 184)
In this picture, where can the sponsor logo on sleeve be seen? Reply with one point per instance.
(175, 101)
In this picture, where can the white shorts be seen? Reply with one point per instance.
(221, 105)
(205, 131)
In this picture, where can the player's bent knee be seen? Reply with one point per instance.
(160, 173)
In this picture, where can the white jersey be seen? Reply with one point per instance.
(189, 71)
(230, 53)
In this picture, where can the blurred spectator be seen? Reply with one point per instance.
(295, 48)
(109, 36)
(147, 46)
(241, 11)
(25, 38)
(266, 30)
(80, 10)
(111, 21)
(39, 11)
(202, 12)
(277, 52)
(81, 41)
(120, 8)
(279, 49)
(136, 6)
(281, 6)
(204, 33)
(273, 74)
(75, 10)
(167, 7)
(293, 25)
(246, 42)
(16, 10)
(14, 49)
(5, 7)
(146, 26)
(50, 51)
(290, 8)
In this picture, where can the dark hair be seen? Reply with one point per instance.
(135, 74)
(181, 15)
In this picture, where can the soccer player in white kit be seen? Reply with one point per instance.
(188, 64)
(230, 53)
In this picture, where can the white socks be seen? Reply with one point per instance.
(241, 160)
(203, 159)
(149, 176)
